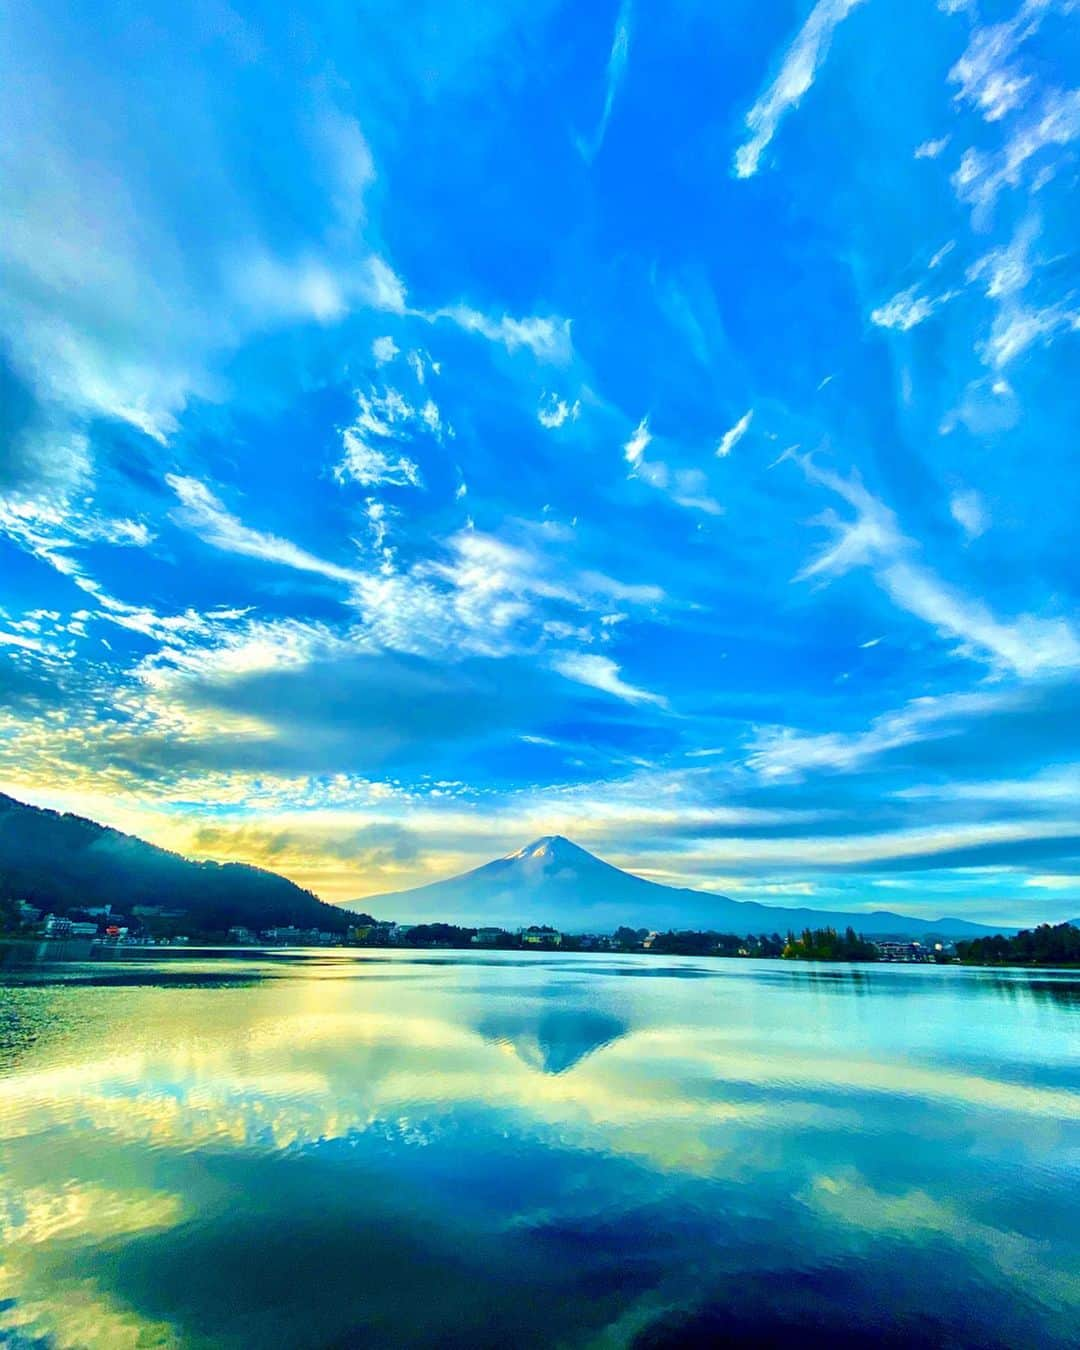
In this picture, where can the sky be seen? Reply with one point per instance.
(650, 424)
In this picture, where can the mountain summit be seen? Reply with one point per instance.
(553, 880)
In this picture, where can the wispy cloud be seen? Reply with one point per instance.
(600, 672)
(731, 438)
(931, 149)
(908, 309)
(381, 419)
(205, 515)
(638, 443)
(969, 511)
(548, 338)
(616, 71)
(553, 411)
(1027, 645)
(983, 174)
(797, 73)
(777, 753)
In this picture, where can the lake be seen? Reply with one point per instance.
(344, 1148)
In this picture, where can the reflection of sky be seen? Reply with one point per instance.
(527, 1126)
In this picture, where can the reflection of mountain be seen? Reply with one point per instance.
(554, 881)
(553, 1040)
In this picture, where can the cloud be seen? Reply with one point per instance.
(203, 514)
(797, 73)
(547, 338)
(931, 149)
(907, 309)
(1028, 645)
(969, 511)
(616, 71)
(1054, 881)
(778, 753)
(983, 174)
(383, 417)
(554, 411)
(988, 77)
(638, 443)
(734, 435)
(600, 672)
(384, 349)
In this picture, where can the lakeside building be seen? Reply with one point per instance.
(536, 935)
(906, 953)
(486, 937)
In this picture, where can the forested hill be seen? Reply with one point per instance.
(64, 862)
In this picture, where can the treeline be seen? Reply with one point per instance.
(716, 944)
(1047, 945)
(64, 863)
(826, 944)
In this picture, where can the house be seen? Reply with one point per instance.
(536, 935)
(901, 951)
(56, 926)
(241, 934)
(83, 929)
(27, 912)
(487, 937)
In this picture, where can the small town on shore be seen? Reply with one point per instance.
(156, 926)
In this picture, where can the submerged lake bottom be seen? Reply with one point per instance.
(340, 1148)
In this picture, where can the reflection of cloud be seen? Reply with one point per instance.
(75, 1312)
(911, 1215)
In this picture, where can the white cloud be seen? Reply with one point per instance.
(797, 74)
(370, 467)
(600, 672)
(554, 411)
(969, 511)
(20, 640)
(1059, 785)
(907, 309)
(1054, 881)
(983, 174)
(203, 514)
(384, 349)
(1008, 269)
(779, 752)
(931, 149)
(547, 338)
(942, 253)
(734, 435)
(986, 74)
(1015, 328)
(616, 70)
(380, 287)
(638, 443)
(1027, 645)
(382, 418)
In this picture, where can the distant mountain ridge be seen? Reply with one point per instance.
(62, 862)
(553, 880)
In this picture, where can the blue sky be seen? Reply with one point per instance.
(655, 425)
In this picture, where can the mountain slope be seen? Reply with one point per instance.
(63, 862)
(553, 880)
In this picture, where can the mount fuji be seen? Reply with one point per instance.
(553, 880)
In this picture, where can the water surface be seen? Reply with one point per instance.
(340, 1148)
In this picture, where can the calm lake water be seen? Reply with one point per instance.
(347, 1148)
